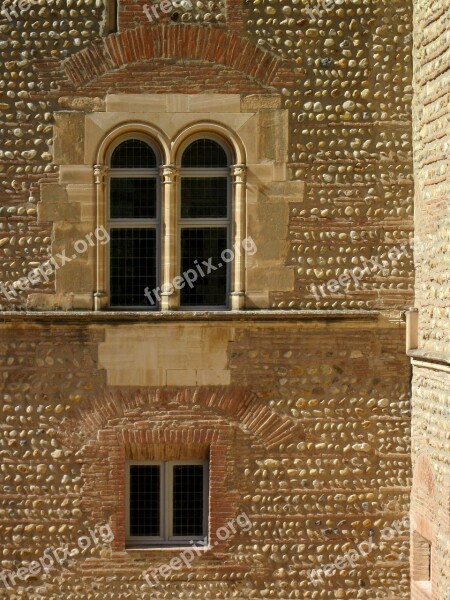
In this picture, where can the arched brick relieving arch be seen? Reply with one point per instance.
(190, 42)
(240, 405)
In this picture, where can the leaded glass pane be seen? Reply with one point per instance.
(198, 245)
(145, 500)
(132, 266)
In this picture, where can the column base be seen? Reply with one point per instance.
(100, 301)
(237, 300)
(169, 301)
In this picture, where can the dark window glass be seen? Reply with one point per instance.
(204, 197)
(133, 198)
(133, 265)
(133, 154)
(188, 500)
(204, 153)
(202, 244)
(145, 500)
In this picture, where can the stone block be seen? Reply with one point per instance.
(69, 126)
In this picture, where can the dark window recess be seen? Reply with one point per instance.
(204, 153)
(133, 154)
(204, 197)
(202, 244)
(145, 506)
(133, 198)
(110, 22)
(132, 265)
(188, 500)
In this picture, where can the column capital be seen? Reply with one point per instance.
(169, 173)
(99, 174)
(239, 173)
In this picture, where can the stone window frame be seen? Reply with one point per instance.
(121, 223)
(171, 151)
(255, 124)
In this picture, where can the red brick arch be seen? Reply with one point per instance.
(233, 403)
(188, 42)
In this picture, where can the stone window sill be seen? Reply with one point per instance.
(160, 316)
(176, 549)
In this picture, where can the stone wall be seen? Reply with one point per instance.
(343, 73)
(305, 416)
(430, 503)
(312, 432)
(432, 139)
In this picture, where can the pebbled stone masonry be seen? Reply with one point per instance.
(430, 500)
(312, 432)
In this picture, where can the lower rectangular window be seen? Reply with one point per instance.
(167, 502)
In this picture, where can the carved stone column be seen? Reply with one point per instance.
(169, 180)
(239, 179)
(100, 295)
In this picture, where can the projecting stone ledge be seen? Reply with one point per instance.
(156, 317)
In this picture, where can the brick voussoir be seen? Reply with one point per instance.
(263, 68)
(234, 50)
(139, 41)
(103, 57)
(201, 39)
(175, 42)
(210, 52)
(79, 66)
(221, 46)
(243, 62)
(115, 50)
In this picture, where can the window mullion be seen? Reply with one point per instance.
(204, 223)
(102, 210)
(138, 173)
(195, 172)
(239, 181)
(169, 182)
(143, 224)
